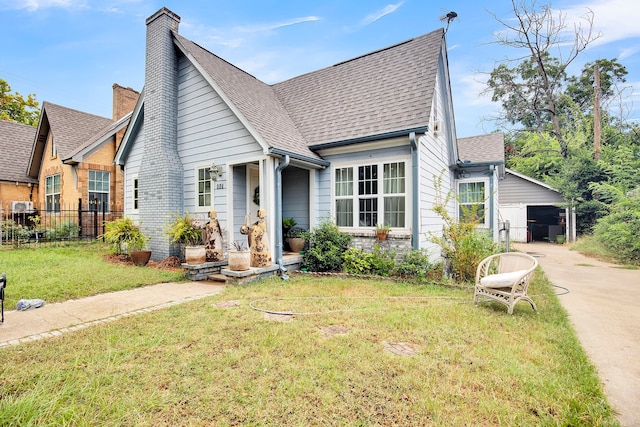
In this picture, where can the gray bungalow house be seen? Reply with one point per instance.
(366, 141)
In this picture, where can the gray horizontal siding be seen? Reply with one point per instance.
(514, 189)
(208, 132)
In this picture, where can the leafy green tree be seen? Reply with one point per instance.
(16, 108)
(580, 88)
(532, 90)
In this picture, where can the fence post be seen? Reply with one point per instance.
(104, 218)
(95, 218)
(80, 217)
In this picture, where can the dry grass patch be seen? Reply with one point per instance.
(209, 363)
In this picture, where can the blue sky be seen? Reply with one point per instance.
(71, 52)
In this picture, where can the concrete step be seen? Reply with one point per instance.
(217, 277)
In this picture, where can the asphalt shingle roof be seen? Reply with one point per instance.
(255, 99)
(383, 91)
(482, 148)
(15, 145)
(386, 90)
(72, 129)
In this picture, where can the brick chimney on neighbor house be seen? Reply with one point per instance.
(124, 101)
(160, 179)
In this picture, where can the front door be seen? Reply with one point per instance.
(253, 191)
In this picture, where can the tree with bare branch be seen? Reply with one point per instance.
(531, 90)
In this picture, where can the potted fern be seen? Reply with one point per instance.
(126, 237)
(296, 239)
(239, 257)
(382, 231)
(185, 232)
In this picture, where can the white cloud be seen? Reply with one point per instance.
(274, 26)
(33, 5)
(369, 19)
(615, 19)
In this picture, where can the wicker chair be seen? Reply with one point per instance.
(505, 278)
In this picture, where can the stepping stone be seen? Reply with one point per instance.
(400, 348)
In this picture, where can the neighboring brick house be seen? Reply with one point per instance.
(366, 141)
(16, 187)
(72, 156)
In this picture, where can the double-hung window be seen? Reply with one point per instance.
(472, 199)
(52, 193)
(371, 194)
(99, 189)
(203, 184)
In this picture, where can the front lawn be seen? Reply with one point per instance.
(217, 361)
(78, 270)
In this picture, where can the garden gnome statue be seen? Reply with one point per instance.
(259, 242)
(213, 238)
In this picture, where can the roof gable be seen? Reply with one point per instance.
(530, 180)
(377, 93)
(97, 140)
(254, 101)
(15, 141)
(488, 148)
(71, 130)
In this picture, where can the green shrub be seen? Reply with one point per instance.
(357, 261)
(327, 244)
(464, 244)
(414, 263)
(379, 262)
(619, 232)
(383, 261)
(63, 230)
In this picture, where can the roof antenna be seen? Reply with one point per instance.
(450, 16)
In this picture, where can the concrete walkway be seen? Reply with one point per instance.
(604, 307)
(56, 318)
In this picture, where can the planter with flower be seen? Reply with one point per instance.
(382, 231)
(185, 231)
(297, 239)
(239, 257)
(126, 237)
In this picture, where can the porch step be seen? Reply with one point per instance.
(217, 277)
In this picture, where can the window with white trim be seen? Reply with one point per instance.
(135, 194)
(472, 201)
(52, 193)
(371, 194)
(99, 189)
(204, 187)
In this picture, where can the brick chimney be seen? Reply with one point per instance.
(124, 101)
(161, 172)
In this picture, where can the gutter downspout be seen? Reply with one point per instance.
(492, 169)
(279, 237)
(415, 170)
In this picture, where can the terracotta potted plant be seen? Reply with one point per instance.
(296, 239)
(125, 236)
(382, 230)
(239, 257)
(186, 232)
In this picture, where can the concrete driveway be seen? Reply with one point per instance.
(604, 307)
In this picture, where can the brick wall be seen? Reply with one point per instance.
(161, 174)
(399, 244)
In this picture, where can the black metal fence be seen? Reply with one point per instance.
(27, 224)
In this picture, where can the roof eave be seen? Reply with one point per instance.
(316, 163)
(369, 138)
